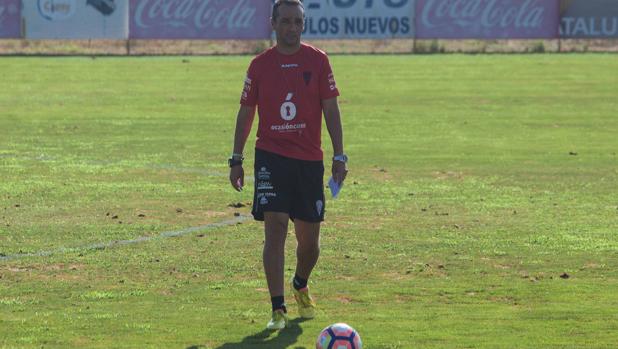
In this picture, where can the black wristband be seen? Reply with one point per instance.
(234, 162)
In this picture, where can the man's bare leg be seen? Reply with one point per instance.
(308, 249)
(276, 230)
(307, 253)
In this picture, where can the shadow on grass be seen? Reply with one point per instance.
(283, 339)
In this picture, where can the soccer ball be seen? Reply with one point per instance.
(339, 336)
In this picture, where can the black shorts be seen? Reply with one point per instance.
(287, 185)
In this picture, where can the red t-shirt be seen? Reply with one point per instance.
(288, 91)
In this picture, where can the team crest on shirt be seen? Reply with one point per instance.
(307, 77)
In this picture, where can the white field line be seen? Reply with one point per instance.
(163, 235)
(111, 244)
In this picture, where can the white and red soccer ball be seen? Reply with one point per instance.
(339, 336)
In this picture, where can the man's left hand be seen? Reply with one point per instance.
(340, 171)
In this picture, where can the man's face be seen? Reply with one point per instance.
(289, 25)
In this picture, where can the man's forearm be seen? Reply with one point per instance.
(244, 121)
(333, 124)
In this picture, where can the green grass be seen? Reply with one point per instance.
(475, 183)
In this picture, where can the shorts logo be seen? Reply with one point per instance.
(319, 205)
(288, 109)
(264, 185)
(263, 174)
(263, 197)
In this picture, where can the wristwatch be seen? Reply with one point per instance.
(235, 160)
(342, 158)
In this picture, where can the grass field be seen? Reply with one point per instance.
(481, 210)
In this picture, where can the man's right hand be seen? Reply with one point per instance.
(237, 177)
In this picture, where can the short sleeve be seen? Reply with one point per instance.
(328, 86)
(249, 94)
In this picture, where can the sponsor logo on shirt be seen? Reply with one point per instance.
(288, 113)
(288, 108)
(286, 66)
(288, 127)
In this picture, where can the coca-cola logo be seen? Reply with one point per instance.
(201, 14)
(526, 14)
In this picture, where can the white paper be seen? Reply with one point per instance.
(335, 188)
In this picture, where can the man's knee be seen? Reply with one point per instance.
(276, 225)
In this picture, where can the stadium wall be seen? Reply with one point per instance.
(142, 27)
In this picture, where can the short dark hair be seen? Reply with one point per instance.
(278, 4)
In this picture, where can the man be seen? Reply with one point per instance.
(291, 84)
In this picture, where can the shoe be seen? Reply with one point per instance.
(306, 305)
(279, 321)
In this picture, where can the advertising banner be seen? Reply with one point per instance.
(359, 19)
(200, 19)
(589, 19)
(76, 19)
(10, 19)
(487, 19)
